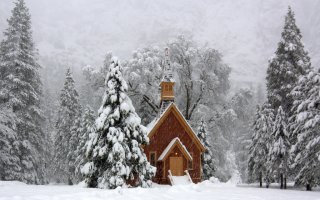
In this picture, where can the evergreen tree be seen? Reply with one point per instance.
(306, 121)
(114, 149)
(290, 61)
(260, 145)
(86, 127)
(49, 107)
(279, 149)
(206, 158)
(68, 115)
(72, 151)
(9, 161)
(20, 87)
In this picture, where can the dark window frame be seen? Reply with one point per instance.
(153, 162)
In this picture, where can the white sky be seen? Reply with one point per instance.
(245, 31)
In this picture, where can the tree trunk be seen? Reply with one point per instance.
(281, 181)
(308, 187)
(260, 179)
(70, 181)
(285, 182)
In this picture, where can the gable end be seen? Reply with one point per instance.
(172, 108)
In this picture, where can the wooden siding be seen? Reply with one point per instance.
(163, 135)
(167, 91)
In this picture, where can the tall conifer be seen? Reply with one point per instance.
(260, 145)
(290, 61)
(20, 88)
(279, 148)
(68, 118)
(114, 149)
(305, 128)
(207, 157)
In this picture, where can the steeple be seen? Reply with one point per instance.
(167, 68)
(167, 83)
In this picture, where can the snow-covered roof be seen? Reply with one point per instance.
(171, 145)
(152, 124)
(167, 79)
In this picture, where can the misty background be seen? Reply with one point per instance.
(78, 33)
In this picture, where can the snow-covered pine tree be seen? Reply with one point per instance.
(278, 158)
(49, 106)
(290, 61)
(114, 149)
(9, 161)
(72, 151)
(260, 145)
(207, 162)
(86, 127)
(306, 150)
(68, 115)
(20, 87)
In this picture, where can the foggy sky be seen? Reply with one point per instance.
(245, 31)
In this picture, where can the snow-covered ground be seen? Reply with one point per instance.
(203, 191)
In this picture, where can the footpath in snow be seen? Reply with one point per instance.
(204, 191)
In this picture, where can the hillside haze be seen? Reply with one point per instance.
(246, 32)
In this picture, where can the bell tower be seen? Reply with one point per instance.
(167, 84)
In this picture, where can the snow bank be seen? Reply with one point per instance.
(82, 184)
(205, 190)
(214, 180)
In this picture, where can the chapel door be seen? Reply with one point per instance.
(176, 166)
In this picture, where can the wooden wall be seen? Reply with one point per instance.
(170, 129)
